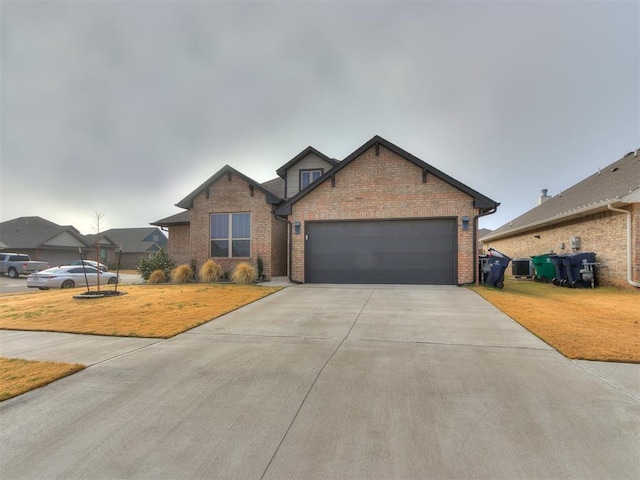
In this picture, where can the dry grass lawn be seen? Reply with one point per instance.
(145, 311)
(19, 376)
(600, 324)
(158, 311)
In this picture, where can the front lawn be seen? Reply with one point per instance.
(600, 324)
(19, 376)
(158, 311)
(145, 311)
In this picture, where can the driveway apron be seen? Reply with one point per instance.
(322, 381)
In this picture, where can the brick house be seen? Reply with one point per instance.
(600, 214)
(133, 244)
(47, 241)
(381, 215)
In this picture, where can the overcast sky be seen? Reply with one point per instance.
(124, 108)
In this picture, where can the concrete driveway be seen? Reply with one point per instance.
(350, 382)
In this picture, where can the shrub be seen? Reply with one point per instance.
(157, 276)
(244, 273)
(210, 272)
(260, 267)
(159, 261)
(181, 274)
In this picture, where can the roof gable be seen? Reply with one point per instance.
(187, 202)
(100, 238)
(616, 183)
(33, 232)
(141, 239)
(482, 202)
(303, 154)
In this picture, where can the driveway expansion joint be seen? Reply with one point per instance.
(313, 384)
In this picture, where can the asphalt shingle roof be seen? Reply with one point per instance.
(609, 185)
(33, 232)
(182, 218)
(134, 240)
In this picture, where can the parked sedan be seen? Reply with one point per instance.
(91, 263)
(69, 277)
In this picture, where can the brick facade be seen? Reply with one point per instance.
(232, 194)
(385, 186)
(180, 244)
(604, 233)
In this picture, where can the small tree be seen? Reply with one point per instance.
(260, 268)
(159, 261)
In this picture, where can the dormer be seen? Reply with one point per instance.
(304, 169)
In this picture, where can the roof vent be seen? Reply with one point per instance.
(543, 196)
(614, 169)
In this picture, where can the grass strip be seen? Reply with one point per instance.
(588, 324)
(18, 376)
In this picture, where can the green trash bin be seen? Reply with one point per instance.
(545, 270)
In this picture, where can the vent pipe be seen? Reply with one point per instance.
(543, 196)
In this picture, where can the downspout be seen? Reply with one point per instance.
(629, 253)
(475, 248)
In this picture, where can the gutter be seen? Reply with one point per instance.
(579, 212)
(629, 253)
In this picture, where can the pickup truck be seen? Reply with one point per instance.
(15, 264)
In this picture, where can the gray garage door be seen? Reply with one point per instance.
(389, 251)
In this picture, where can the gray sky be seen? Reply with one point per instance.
(125, 107)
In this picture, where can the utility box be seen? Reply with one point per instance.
(575, 243)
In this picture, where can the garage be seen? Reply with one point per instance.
(404, 251)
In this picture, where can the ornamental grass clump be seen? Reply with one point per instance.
(157, 276)
(244, 273)
(182, 274)
(210, 272)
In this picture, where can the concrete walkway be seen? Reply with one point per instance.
(352, 382)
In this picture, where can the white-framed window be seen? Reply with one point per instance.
(309, 176)
(230, 234)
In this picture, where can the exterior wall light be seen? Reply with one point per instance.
(465, 223)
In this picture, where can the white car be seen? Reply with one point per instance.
(69, 277)
(91, 263)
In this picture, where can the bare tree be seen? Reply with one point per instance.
(98, 216)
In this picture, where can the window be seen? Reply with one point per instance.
(308, 176)
(230, 235)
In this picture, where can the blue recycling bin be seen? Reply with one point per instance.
(561, 272)
(498, 263)
(572, 263)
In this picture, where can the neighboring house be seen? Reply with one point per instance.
(43, 240)
(600, 214)
(103, 249)
(136, 243)
(381, 215)
(481, 233)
